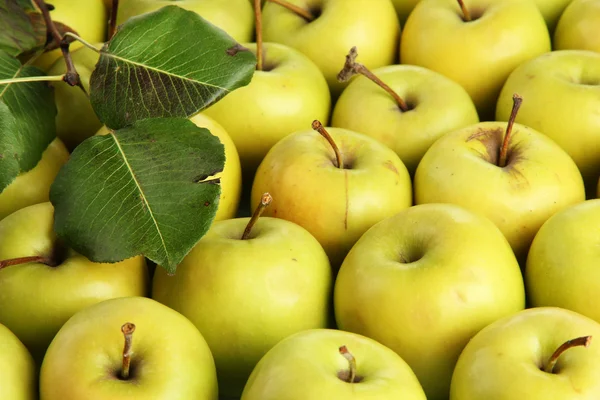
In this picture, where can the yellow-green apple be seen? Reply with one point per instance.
(33, 186)
(286, 96)
(43, 282)
(331, 364)
(518, 179)
(86, 17)
(579, 27)
(249, 283)
(230, 177)
(420, 106)
(562, 89)
(477, 47)
(235, 17)
(336, 183)
(551, 11)
(75, 118)
(404, 8)
(18, 380)
(562, 264)
(332, 28)
(128, 348)
(423, 282)
(539, 353)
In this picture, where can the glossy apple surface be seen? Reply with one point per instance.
(18, 380)
(579, 27)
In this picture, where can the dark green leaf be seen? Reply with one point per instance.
(141, 190)
(17, 34)
(27, 119)
(166, 63)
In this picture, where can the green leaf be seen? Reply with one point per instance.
(140, 190)
(27, 119)
(17, 35)
(166, 63)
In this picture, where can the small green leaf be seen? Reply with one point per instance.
(27, 119)
(166, 63)
(140, 190)
(17, 35)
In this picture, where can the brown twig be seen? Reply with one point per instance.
(24, 260)
(465, 10)
(307, 15)
(112, 22)
(264, 202)
(351, 363)
(318, 126)
(128, 328)
(580, 341)
(517, 100)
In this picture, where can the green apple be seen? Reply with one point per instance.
(335, 199)
(579, 27)
(247, 291)
(33, 186)
(562, 92)
(286, 96)
(39, 296)
(164, 356)
(562, 265)
(404, 8)
(479, 53)
(18, 380)
(236, 17)
(518, 191)
(76, 120)
(423, 282)
(336, 26)
(518, 357)
(552, 10)
(334, 365)
(89, 18)
(435, 105)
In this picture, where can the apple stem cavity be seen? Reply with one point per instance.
(307, 15)
(517, 100)
(71, 77)
(351, 363)
(265, 200)
(465, 11)
(128, 328)
(318, 126)
(259, 40)
(580, 341)
(112, 22)
(25, 260)
(351, 68)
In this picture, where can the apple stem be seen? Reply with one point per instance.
(259, 40)
(112, 22)
(307, 15)
(351, 363)
(24, 260)
(128, 328)
(465, 10)
(318, 126)
(351, 68)
(83, 42)
(580, 341)
(264, 202)
(71, 77)
(33, 79)
(517, 100)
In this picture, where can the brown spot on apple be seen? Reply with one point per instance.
(390, 165)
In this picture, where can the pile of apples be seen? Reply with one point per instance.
(410, 209)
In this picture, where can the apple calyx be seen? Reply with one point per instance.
(517, 100)
(351, 68)
(465, 11)
(265, 200)
(318, 126)
(580, 341)
(128, 328)
(306, 14)
(31, 259)
(259, 40)
(349, 375)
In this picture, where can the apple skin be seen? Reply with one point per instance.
(366, 108)
(76, 120)
(425, 281)
(335, 205)
(35, 299)
(18, 380)
(277, 102)
(579, 27)
(33, 186)
(561, 92)
(247, 295)
(563, 259)
(479, 54)
(552, 11)
(370, 25)
(170, 360)
(306, 366)
(236, 17)
(503, 361)
(539, 179)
